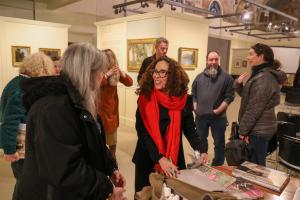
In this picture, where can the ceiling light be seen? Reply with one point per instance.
(247, 16)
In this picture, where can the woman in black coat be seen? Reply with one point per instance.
(66, 155)
(164, 112)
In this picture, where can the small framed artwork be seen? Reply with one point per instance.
(50, 52)
(137, 51)
(244, 63)
(18, 54)
(188, 57)
(237, 63)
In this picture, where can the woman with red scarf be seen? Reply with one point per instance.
(164, 112)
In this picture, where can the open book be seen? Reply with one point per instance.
(266, 177)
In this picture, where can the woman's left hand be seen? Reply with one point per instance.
(203, 159)
(118, 179)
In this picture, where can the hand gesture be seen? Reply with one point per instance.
(114, 70)
(118, 179)
(241, 78)
(118, 194)
(12, 157)
(168, 167)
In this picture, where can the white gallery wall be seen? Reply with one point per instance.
(179, 29)
(22, 32)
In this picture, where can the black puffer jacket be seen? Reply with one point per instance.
(66, 155)
(260, 95)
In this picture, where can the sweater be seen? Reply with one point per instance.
(210, 93)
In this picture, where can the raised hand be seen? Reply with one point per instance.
(241, 78)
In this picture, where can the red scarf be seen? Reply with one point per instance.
(149, 109)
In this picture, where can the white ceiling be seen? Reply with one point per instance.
(81, 14)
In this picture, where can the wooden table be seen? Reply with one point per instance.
(287, 193)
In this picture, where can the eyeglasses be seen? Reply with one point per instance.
(160, 73)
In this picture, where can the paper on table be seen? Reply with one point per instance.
(198, 179)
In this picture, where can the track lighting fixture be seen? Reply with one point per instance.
(144, 4)
(159, 4)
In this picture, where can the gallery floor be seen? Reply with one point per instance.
(126, 145)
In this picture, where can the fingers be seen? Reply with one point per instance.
(172, 172)
(12, 157)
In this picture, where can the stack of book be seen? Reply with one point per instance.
(211, 179)
(260, 175)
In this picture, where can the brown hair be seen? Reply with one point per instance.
(267, 52)
(177, 83)
(161, 40)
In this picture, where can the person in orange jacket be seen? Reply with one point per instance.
(108, 106)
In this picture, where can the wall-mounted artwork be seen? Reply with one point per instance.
(244, 63)
(50, 52)
(188, 57)
(237, 63)
(18, 54)
(137, 51)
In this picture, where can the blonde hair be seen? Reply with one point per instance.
(37, 64)
(82, 63)
(112, 61)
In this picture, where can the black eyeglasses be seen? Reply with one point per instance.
(160, 73)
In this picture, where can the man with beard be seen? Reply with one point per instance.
(212, 92)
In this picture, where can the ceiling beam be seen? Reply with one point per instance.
(272, 10)
(223, 16)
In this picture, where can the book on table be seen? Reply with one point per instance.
(260, 175)
(211, 179)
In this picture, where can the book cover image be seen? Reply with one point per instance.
(243, 189)
(217, 176)
(267, 177)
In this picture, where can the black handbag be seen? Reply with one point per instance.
(237, 151)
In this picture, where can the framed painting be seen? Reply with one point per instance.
(238, 63)
(244, 63)
(188, 57)
(18, 54)
(137, 51)
(50, 52)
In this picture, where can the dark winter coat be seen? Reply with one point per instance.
(66, 155)
(146, 153)
(260, 95)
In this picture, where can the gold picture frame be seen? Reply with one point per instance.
(50, 52)
(188, 57)
(18, 54)
(137, 51)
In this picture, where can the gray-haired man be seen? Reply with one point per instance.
(161, 47)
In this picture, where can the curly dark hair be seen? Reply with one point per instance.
(177, 83)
